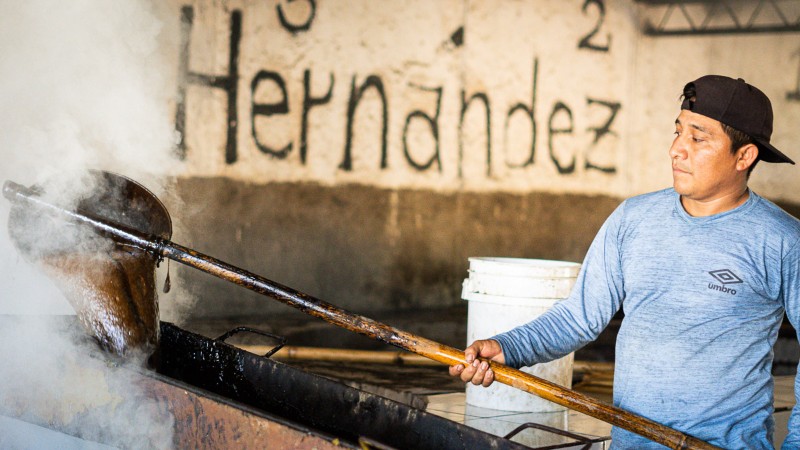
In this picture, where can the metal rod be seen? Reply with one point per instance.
(363, 325)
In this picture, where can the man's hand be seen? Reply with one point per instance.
(478, 372)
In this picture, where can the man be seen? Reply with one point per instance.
(703, 272)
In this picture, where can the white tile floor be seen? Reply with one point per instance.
(453, 406)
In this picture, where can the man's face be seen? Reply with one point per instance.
(703, 166)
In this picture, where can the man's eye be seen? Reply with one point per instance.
(697, 139)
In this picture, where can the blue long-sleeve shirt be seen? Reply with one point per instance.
(703, 299)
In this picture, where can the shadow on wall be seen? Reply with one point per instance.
(368, 249)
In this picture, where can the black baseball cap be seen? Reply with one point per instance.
(739, 105)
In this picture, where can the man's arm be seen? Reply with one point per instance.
(577, 320)
(569, 324)
(790, 271)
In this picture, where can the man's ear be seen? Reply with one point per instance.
(747, 155)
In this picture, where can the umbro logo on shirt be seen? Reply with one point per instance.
(724, 276)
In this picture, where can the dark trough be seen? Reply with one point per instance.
(354, 416)
(214, 395)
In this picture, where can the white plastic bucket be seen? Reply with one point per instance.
(507, 292)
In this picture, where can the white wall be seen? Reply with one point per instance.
(622, 88)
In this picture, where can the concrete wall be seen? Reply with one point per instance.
(368, 249)
(447, 95)
(361, 151)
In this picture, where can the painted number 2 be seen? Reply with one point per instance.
(588, 41)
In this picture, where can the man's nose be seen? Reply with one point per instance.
(677, 149)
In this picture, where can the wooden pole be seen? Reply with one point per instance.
(302, 353)
(363, 325)
(296, 353)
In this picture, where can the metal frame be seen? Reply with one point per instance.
(699, 16)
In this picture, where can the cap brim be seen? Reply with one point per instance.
(768, 153)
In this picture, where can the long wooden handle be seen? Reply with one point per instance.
(366, 326)
(399, 357)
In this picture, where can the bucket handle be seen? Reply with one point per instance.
(281, 339)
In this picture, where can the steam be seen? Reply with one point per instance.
(87, 84)
(62, 386)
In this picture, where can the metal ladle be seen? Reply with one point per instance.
(111, 285)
